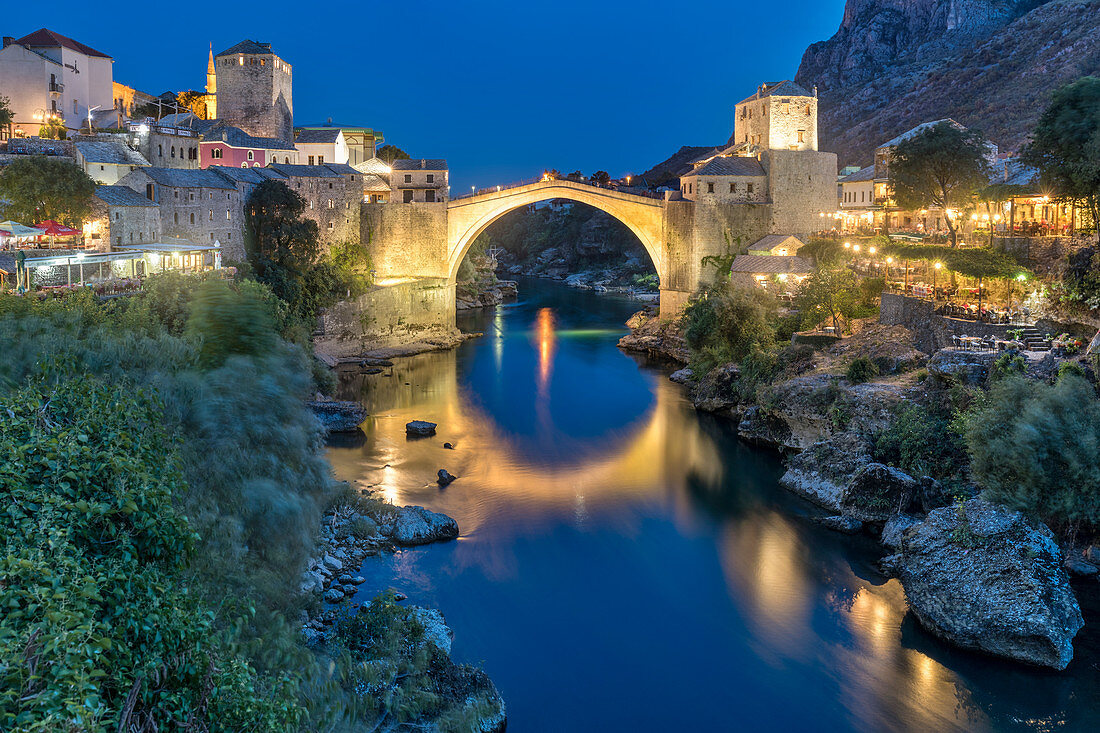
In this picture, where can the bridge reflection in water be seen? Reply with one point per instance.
(608, 526)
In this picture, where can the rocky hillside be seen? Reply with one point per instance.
(990, 64)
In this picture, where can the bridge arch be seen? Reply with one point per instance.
(468, 217)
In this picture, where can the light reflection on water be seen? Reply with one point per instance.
(625, 563)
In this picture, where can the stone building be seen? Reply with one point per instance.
(856, 200)
(420, 180)
(122, 216)
(362, 142)
(376, 180)
(780, 116)
(320, 146)
(171, 142)
(726, 179)
(254, 90)
(107, 161)
(47, 75)
(202, 206)
(333, 195)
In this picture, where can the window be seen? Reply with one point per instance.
(176, 217)
(131, 236)
(101, 167)
(117, 216)
(251, 156)
(286, 159)
(244, 164)
(407, 196)
(192, 217)
(175, 193)
(330, 204)
(227, 214)
(801, 136)
(408, 178)
(74, 107)
(786, 109)
(320, 160)
(429, 195)
(330, 226)
(191, 196)
(431, 178)
(211, 215)
(216, 153)
(710, 186)
(330, 184)
(173, 151)
(733, 188)
(748, 187)
(311, 204)
(160, 151)
(149, 194)
(311, 160)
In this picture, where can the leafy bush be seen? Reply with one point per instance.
(726, 324)
(1036, 447)
(1008, 364)
(861, 369)
(922, 441)
(1069, 368)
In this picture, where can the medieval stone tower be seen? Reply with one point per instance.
(780, 116)
(211, 87)
(253, 90)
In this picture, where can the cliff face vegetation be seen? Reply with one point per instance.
(989, 64)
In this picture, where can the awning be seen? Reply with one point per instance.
(53, 229)
(15, 229)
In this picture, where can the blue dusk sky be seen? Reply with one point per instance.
(503, 90)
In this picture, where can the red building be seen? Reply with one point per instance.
(232, 147)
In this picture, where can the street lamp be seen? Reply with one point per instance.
(90, 110)
(935, 268)
(889, 261)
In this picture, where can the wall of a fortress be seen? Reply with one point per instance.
(801, 186)
(406, 239)
(389, 316)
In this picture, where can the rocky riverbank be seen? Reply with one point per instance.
(485, 294)
(353, 532)
(975, 574)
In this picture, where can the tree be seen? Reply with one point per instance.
(601, 177)
(37, 188)
(53, 129)
(280, 244)
(194, 102)
(7, 117)
(941, 167)
(1065, 145)
(576, 176)
(831, 293)
(390, 153)
(727, 324)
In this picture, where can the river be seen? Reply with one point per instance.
(627, 564)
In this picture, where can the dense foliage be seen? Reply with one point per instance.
(978, 262)
(1036, 447)
(36, 188)
(941, 167)
(390, 153)
(100, 395)
(922, 440)
(830, 294)
(727, 324)
(1065, 145)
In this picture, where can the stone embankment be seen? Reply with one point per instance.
(477, 295)
(976, 575)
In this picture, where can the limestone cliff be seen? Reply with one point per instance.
(990, 64)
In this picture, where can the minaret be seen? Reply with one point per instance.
(211, 88)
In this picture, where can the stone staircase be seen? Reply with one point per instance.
(1034, 339)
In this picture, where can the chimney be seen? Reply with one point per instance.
(423, 163)
(8, 40)
(815, 91)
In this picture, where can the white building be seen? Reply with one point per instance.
(318, 147)
(46, 74)
(107, 161)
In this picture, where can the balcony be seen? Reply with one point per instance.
(56, 88)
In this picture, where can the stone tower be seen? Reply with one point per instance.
(254, 90)
(780, 116)
(211, 87)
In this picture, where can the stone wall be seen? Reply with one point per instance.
(389, 316)
(128, 224)
(409, 240)
(801, 186)
(933, 332)
(333, 203)
(1044, 255)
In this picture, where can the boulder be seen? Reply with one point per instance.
(338, 416)
(681, 376)
(420, 428)
(1080, 568)
(763, 427)
(444, 477)
(717, 390)
(964, 367)
(415, 525)
(984, 578)
(894, 529)
(449, 446)
(876, 492)
(332, 563)
(841, 523)
(334, 595)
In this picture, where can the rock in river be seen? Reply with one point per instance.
(983, 577)
(445, 477)
(420, 428)
(415, 525)
(338, 416)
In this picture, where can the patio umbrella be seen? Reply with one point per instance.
(15, 229)
(53, 229)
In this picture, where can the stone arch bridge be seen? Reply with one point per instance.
(416, 248)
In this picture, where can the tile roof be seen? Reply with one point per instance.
(189, 178)
(374, 183)
(775, 88)
(376, 166)
(917, 130)
(790, 264)
(863, 174)
(45, 38)
(7, 263)
(736, 165)
(109, 151)
(246, 46)
(246, 175)
(238, 138)
(304, 171)
(1013, 171)
(327, 135)
(420, 164)
(118, 195)
(772, 241)
(342, 168)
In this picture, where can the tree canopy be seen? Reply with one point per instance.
(37, 188)
(281, 245)
(1065, 145)
(941, 167)
(978, 262)
(831, 293)
(390, 153)
(6, 114)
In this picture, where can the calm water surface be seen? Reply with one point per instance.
(626, 564)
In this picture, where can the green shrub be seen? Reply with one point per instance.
(1069, 368)
(861, 369)
(922, 375)
(1008, 364)
(1036, 447)
(922, 442)
(726, 324)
